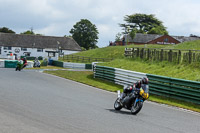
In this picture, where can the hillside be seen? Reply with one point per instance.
(116, 52)
(194, 45)
(183, 71)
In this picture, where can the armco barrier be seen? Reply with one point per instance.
(164, 86)
(72, 65)
(2, 63)
(175, 88)
(118, 76)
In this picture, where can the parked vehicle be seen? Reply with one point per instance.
(134, 100)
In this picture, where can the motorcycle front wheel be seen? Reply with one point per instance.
(17, 68)
(136, 109)
(117, 105)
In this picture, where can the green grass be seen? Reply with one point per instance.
(193, 45)
(47, 67)
(87, 78)
(181, 71)
(116, 52)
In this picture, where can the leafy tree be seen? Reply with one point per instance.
(118, 37)
(143, 23)
(158, 30)
(6, 30)
(132, 33)
(85, 34)
(29, 32)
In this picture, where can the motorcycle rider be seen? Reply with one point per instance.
(24, 62)
(128, 89)
(36, 62)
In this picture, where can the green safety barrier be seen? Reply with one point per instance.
(107, 73)
(88, 66)
(57, 63)
(180, 89)
(10, 63)
(185, 90)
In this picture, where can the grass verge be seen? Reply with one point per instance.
(86, 77)
(47, 67)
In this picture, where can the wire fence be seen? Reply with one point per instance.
(85, 59)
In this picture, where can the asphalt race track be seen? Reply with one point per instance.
(34, 102)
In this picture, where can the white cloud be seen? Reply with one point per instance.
(56, 18)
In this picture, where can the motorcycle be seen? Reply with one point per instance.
(36, 63)
(133, 101)
(20, 65)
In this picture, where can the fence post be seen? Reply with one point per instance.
(142, 53)
(133, 53)
(154, 52)
(148, 54)
(161, 55)
(179, 56)
(138, 52)
(190, 56)
(170, 55)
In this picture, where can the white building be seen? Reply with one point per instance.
(36, 45)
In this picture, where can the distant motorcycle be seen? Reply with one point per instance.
(36, 63)
(134, 100)
(20, 65)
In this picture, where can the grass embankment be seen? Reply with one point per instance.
(87, 78)
(182, 71)
(47, 67)
(116, 52)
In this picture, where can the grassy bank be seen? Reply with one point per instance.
(181, 71)
(87, 78)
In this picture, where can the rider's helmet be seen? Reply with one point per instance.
(144, 81)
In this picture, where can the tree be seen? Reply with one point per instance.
(29, 32)
(6, 30)
(157, 30)
(143, 23)
(118, 37)
(132, 33)
(85, 34)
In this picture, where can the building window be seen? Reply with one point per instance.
(39, 50)
(51, 54)
(7, 48)
(27, 53)
(23, 49)
(166, 40)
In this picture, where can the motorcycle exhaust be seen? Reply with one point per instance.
(118, 93)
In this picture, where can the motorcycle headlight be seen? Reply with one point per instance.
(143, 94)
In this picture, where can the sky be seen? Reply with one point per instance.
(57, 17)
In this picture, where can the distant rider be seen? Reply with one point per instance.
(24, 62)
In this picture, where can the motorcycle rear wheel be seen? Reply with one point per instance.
(136, 109)
(117, 105)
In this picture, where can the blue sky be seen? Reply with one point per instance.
(57, 17)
